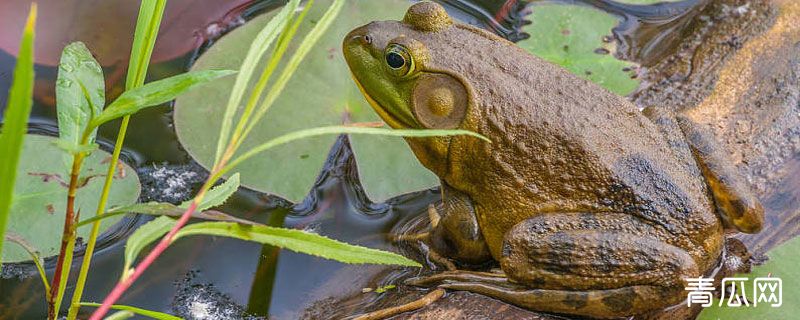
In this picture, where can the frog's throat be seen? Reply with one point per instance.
(388, 118)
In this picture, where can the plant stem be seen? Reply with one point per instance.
(101, 207)
(67, 240)
(162, 245)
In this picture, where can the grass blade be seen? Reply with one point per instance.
(144, 38)
(261, 43)
(298, 241)
(155, 93)
(80, 93)
(165, 209)
(298, 56)
(313, 132)
(144, 312)
(37, 260)
(15, 122)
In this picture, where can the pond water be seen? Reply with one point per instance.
(223, 278)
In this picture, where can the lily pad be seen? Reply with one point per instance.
(579, 39)
(782, 264)
(646, 2)
(37, 212)
(319, 93)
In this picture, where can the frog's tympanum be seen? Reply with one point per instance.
(590, 206)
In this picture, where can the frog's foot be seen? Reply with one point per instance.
(420, 241)
(610, 303)
(433, 217)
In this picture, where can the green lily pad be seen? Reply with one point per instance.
(39, 203)
(782, 263)
(646, 2)
(321, 92)
(578, 38)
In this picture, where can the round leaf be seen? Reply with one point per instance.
(40, 196)
(572, 37)
(320, 93)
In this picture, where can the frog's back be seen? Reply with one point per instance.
(562, 143)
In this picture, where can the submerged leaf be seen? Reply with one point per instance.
(12, 136)
(572, 36)
(80, 93)
(298, 241)
(155, 93)
(40, 195)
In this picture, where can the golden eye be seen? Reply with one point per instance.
(399, 60)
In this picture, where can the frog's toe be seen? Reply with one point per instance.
(447, 278)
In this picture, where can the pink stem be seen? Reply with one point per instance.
(123, 285)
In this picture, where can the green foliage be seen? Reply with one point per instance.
(34, 254)
(155, 93)
(298, 241)
(386, 165)
(782, 263)
(144, 39)
(647, 2)
(146, 313)
(15, 124)
(40, 195)
(217, 195)
(572, 37)
(143, 236)
(80, 93)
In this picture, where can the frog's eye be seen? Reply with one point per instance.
(399, 60)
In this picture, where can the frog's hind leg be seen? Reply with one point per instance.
(696, 147)
(599, 265)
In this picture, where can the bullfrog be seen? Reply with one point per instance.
(590, 206)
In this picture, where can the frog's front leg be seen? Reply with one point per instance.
(598, 265)
(458, 235)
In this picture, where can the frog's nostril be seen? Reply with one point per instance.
(368, 39)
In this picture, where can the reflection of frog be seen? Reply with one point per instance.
(590, 206)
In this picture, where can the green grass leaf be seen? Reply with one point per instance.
(143, 236)
(15, 123)
(165, 209)
(146, 313)
(80, 94)
(155, 93)
(147, 25)
(262, 41)
(40, 195)
(572, 36)
(298, 241)
(782, 263)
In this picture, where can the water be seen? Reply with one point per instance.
(214, 277)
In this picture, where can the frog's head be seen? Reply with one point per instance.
(402, 68)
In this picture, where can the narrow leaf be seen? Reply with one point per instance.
(144, 39)
(260, 45)
(37, 260)
(308, 133)
(80, 93)
(144, 312)
(165, 209)
(155, 93)
(15, 122)
(291, 66)
(120, 315)
(298, 241)
(145, 235)
(217, 195)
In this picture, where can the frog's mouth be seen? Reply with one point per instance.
(381, 110)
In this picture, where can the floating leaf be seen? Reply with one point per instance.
(143, 236)
(40, 195)
(572, 36)
(298, 241)
(320, 93)
(146, 313)
(782, 263)
(12, 136)
(80, 94)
